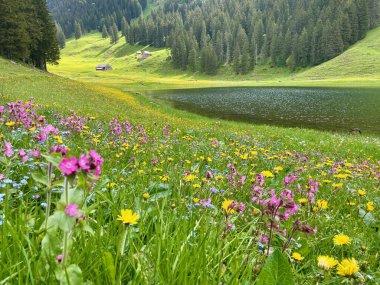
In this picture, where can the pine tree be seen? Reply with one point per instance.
(104, 32)
(236, 59)
(78, 30)
(60, 36)
(45, 49)
(124, 26)
(115, 33)
(14, 37)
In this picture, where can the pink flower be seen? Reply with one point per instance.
(84, 162)
(72, 210)
(34, 153)
(68, 166)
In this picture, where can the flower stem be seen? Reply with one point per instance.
(122, 245)
(48, 194)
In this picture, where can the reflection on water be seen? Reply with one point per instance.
(336, 109)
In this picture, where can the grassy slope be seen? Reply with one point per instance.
(360, 65)
(17, 82)
(361, 61)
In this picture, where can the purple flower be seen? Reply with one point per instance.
(72, 210)
(68, 166)
(84, 162)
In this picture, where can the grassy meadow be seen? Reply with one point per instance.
(101, 186)
(358, 66)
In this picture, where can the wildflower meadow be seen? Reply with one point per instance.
(89, 201)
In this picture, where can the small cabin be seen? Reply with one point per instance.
(103, 67)
(146, 54)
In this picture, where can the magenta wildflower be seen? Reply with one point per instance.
(84, 162)
(59, 258)
(72, 210)
(68, 166)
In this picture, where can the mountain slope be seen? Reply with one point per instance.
(362, 60)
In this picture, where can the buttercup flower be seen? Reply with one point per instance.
(370, 207)
(128, 217)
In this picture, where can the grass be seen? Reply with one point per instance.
(176, 240)
(180, 237)
(358, 66)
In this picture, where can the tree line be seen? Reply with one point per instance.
(84, 16)
(204, 35)
(28, 33)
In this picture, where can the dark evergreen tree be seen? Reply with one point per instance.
(60, 36)
(44, 48)
(104, 32)
(78, 30)
(14, 37)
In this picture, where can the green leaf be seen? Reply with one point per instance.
(40, 178)
(109, 265)
(276, 271)
(61, 220)
(159, 190)
(55, 160)
(72, 275)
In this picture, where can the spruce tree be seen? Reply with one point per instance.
(60, 36)
(14, 37)
(45, 48)
(104, 32)
(78, 30)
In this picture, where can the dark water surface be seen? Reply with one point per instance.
(334, 109)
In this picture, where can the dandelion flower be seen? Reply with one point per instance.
(361, 192)
(297, 256)
(267, 173)
(326, 262)
(128, 217)
(348, 267)
(341, 240)
(322, 204)
(302, 200)
(226, 206)
(146, 196)
(370, 207)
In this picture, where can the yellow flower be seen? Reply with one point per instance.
(341, 240)
(218, 177)
(362, 192)
(326, 262)
(190, 177)
(10, 124)
(128, 217)
(370, 207)
(348, 267)
(226, 205)
(32, 129)
(322, 204)
(196, 200)
(278, 168)
(302, 200)
(267, 173)
(146, 196)
(297, 256)
(337, 185)
(196, 185)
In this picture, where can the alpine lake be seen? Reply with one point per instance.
(355, 110)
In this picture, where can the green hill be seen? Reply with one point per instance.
(361, 61)
(359, 65)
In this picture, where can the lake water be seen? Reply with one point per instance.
(334, 109)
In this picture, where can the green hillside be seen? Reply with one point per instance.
(361, 61)
(359, 65)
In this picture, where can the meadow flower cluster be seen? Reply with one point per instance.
(122, 202)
